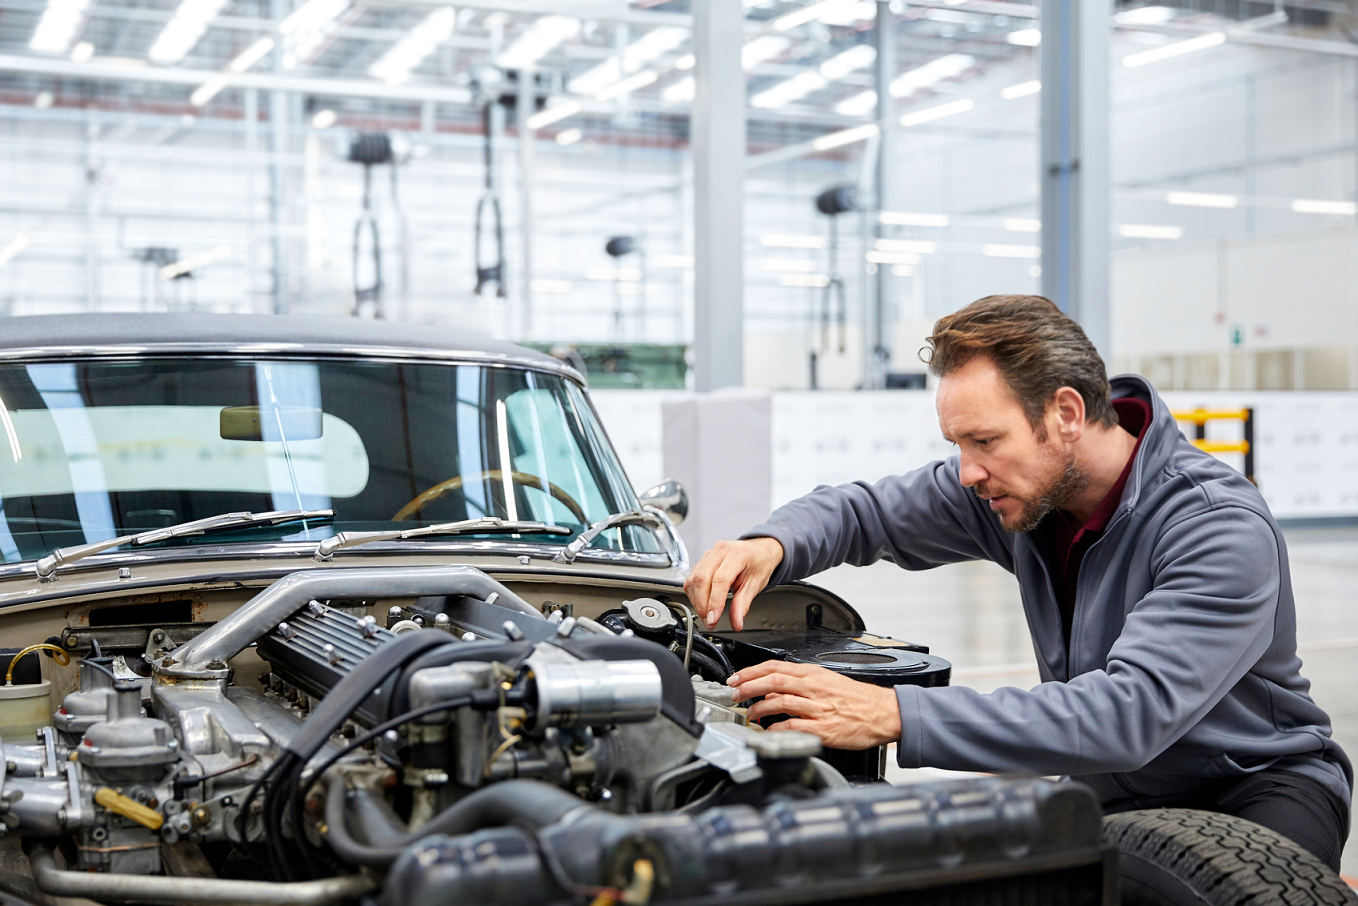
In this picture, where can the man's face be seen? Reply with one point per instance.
(1003, 460)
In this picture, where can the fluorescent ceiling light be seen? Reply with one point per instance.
(312, 15)
(901, 218)
(799, 86)
(686, 62)
(918, 246)
(859, 104)
(680, 91)
(682, 262)
(629, 274)
(184, 29)
(809, 13)
(1022, 225)
(596, 78)
(305, 30)
(896, 258)
(851, 14)
(802, 84)
(903, 270)
(1025, 37)
(395, 66)
(537, 40)
(554, 113)
(15, 246)
(860, 56)
(845, 137)
(324, 119)
(1177, 49)
(1021, 90)
(251, 55)
(785, 241)
(814, 281)
(787, 265)
(1202, 199)
(58, 25)
(82, 52)
(208, 90)
(652, 45)
(931, 73)
(188, 265)
(1144, 15)
(569, 136)
(1146, 231)
(1011, 251)
(1306, 206)
(550, 286)
(929, 114)
(628, 85)
(761, 49)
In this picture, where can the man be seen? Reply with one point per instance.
(1154, 579)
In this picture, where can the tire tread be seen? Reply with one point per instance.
(1228, 861)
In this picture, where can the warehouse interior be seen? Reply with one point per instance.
(760, 205)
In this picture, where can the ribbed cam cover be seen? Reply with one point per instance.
(318, 645)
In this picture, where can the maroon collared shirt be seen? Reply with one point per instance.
(1069, 540)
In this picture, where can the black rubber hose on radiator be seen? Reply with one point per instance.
(525, 802)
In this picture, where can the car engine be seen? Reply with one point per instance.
(470, 748)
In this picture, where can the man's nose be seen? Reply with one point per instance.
(971, 472)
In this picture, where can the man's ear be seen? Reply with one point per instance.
(1067, 410)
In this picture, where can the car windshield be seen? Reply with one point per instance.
(97, 449)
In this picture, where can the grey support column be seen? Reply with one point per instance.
(523, 110)
(718, 142)
(1075, 162)
(880, 330)
(278, 147)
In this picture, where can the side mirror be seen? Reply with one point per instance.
(669, 497)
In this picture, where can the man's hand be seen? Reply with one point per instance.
(844, 713)
(740, 566)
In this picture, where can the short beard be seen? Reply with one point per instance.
(1059, 493)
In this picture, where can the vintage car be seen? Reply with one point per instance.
(310, 611)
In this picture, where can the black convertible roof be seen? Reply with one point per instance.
(205, 331)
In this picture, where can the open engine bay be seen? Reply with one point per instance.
(408, 736)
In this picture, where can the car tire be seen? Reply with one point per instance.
(1186, 857)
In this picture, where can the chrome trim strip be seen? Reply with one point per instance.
(303, 550)
(263, 576)
(296, 350)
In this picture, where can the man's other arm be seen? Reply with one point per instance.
(918, 520)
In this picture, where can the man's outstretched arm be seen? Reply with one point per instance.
(743, 567)
(919, 520)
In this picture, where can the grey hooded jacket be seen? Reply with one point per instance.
(1182, 666)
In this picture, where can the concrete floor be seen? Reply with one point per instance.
(970, 613)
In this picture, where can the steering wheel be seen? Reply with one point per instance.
(456, 482)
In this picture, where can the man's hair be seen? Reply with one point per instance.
(1036, 348)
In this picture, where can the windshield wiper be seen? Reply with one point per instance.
(47, 566)
(649, 517)
(326, 549)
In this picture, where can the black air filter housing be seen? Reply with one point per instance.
(860, 656)
(868, 658)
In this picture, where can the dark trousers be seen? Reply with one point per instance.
(1291, 804)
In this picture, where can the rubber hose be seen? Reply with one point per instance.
(706, 666)
(530, 802)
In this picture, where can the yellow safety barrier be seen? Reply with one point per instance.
(1202, 416)
(1222, 446)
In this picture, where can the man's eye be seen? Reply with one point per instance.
(983, 441)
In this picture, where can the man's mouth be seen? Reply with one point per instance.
(998, 501)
